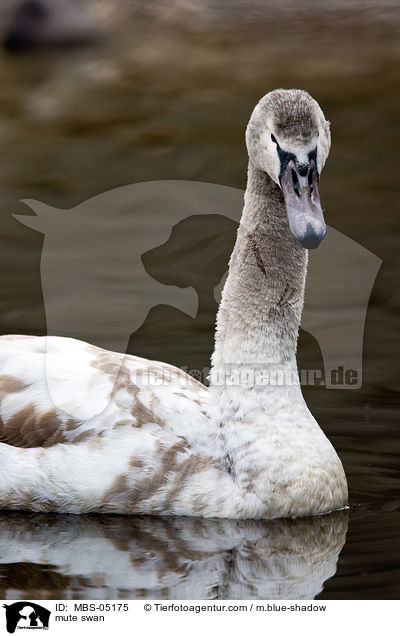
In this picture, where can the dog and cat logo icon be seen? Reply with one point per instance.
(26, 615)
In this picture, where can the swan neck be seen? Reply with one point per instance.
(262, 301)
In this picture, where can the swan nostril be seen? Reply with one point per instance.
(310, 182)
(296, 185)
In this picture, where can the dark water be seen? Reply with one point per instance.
(167, 96)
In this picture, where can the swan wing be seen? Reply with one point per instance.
(50, 386)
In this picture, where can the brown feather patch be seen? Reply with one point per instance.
(28, 429)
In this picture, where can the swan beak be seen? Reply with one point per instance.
(300, 192)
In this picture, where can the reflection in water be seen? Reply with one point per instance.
(63, 556)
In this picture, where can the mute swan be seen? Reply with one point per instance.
(247, 446)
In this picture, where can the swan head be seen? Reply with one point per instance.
(289, 138)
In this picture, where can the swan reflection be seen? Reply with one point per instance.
(104, 557)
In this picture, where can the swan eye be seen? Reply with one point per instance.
(273, 138)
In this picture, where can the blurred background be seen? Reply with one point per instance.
(97, 94)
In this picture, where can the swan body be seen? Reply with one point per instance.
(162, 443)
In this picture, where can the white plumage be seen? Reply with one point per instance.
(160, 442)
